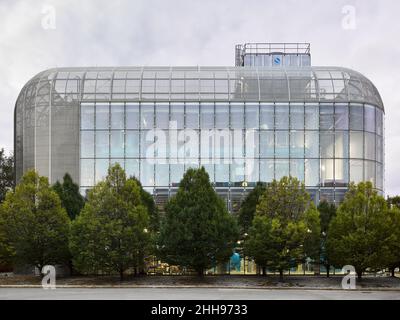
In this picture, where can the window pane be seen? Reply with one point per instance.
(132, 116)
(281, 116)
(252, 116)
(87, 116)
(369, 118)
(356, 171)
(146, 173)
(341, 172)
(162, 174)
(267, 170)
(379, 149)
(297, 117)
(311, 117)
(326, 117)
(237, 170)
(379, 122)
(192, 115)
(311, 168)
(341, 117)
(369, 171)
(356, 144)
(176, 171)
(147, 116)
(251, 170)
(237, 116)
(102, 144)
(311, 144)
(267, 144)
(207, 143)
(297, 168)
(207, 116)
(162, 116)
(252, 143)
(326, 144)
(132, 144)
(379, 176)
(237, 143)
(341, 144)
(209, 166)
(87, 172)
(282, 144)
(297, 144)
(191, 144)
(356, 117)
(87, 144)
(369, 147)
(221, 116)
(147, 143)
(117, 144)
(326, 172)
(221, 173)
(117, 116)
(177, 115)
(267, 116)
(102, 116)
(132, 168)
(101, 169)
(281, 168)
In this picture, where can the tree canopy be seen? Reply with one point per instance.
(360, 234)
(34, 224)
(6, 174)
(70, 197)
(285, 228)
(111, 233)
(197, 231)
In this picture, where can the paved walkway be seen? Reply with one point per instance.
(192, 293)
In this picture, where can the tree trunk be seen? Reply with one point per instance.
(281, 275)
(392, 270)
(121, 274)
(263, 271)
(328, 267)
(359, 275)
(200, 273)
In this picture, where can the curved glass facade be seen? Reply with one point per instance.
(323, 125)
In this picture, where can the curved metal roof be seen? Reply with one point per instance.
(307, 84)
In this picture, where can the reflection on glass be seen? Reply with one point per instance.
(311, 144)
(297, 169)
(281, 168)
(267, 144)
(326, 172)
(341, 144)
(341, 172)
(162, 174)
(251, 170)
(369, 146)
(207, 116)
(341, 117)
(237, 170)
(146, 173)
(369, 171)
(162, 116)
(177, 115)
(282, 144)
(326, 117)
(311, 116)
(176, 171)
(297, 144)
(192, 115)
(356, 171)
(132, 168)
(326, 144)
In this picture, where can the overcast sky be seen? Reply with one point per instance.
(37, 35)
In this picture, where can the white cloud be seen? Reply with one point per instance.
(173, 32)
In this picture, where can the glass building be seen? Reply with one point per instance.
(323, 125)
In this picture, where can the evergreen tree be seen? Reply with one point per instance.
(197, 231)
(6, 174)
(327, 212)
(111, 233)
(71, 199)
(360, 234)
(34, 224)
(285, 228)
